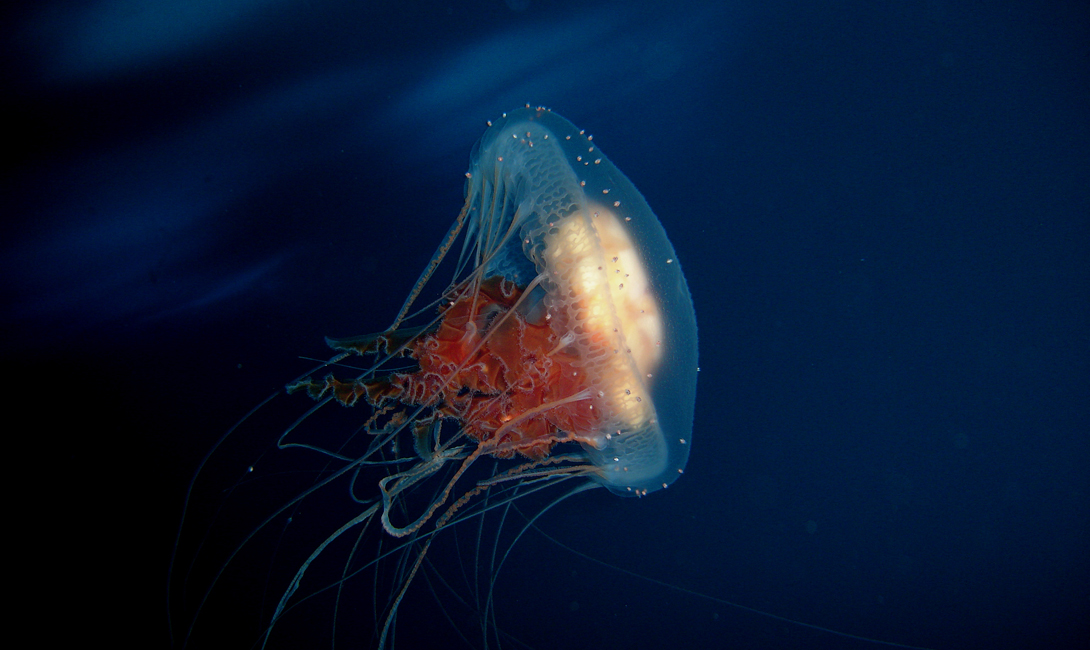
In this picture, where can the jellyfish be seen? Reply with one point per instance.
(562, 351)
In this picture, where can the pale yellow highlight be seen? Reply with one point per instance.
(598, 270)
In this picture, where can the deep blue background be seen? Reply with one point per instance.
(882, 210)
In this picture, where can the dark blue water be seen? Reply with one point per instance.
(882, 212)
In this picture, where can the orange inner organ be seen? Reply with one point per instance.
(485, 365)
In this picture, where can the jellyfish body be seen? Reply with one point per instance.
(577, 324)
